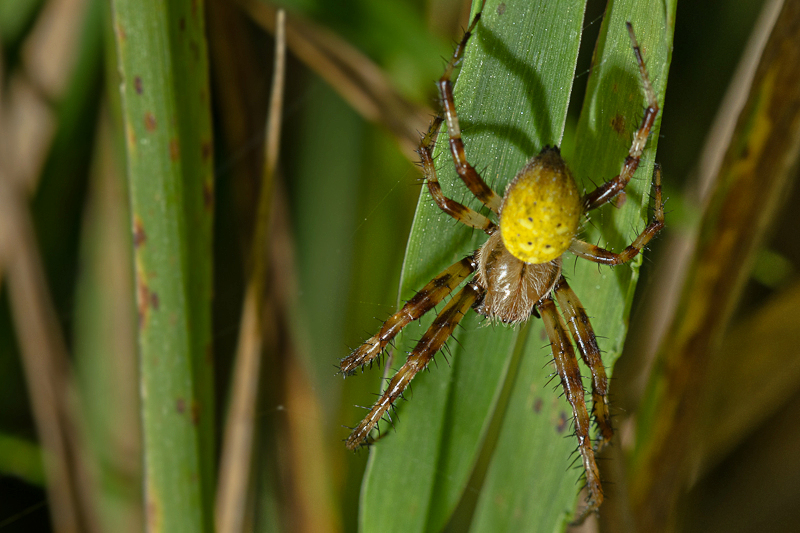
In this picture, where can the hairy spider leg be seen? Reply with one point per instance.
(458, 211)
(567, 368)
(431, 342)
(606, 192)
(422, 302)
(465, 170)
(606, 257)
(583, 334)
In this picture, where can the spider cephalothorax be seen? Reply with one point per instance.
(517, 271)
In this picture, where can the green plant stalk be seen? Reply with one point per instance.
(162, 59)
(490, 404)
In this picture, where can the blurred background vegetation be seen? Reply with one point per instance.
(344, 198)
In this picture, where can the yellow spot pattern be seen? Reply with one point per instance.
(541, 209)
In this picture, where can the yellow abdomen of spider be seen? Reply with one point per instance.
(541, 209)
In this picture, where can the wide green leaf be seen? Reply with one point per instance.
(528, 484)
(512, 96)
(517, 72)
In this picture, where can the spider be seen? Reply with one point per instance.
(517, 272)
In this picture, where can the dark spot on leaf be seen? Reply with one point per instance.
(174, 150)
(149, 121)
(537, 405)
(182, 23)
(154, 300)
(205, 150)
(137, 84)
(501, 9)
(208, 195)
(563, 422)
(180, 405)
(139, 235)
(618, 124)
(530, 219)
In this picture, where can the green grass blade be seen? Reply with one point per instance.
(162, 59)
(512, 95)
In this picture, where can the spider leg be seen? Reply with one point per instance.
(585, 340)
(465, 170)
(567, 368)
(606, 257)
(422, 302)
(423, 352)
(609, 190)
(458, 211)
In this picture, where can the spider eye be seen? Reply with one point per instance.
(541, 209)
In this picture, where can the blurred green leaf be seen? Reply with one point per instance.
(15, 16)
(21, 458)
(105, 323)
(759, 164)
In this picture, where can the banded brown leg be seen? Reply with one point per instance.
(430, 343)
(606, 257)
(567, 368)
(465, 170)
(583, 334)
(606, 192)
(458, 211)
(422, 302)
